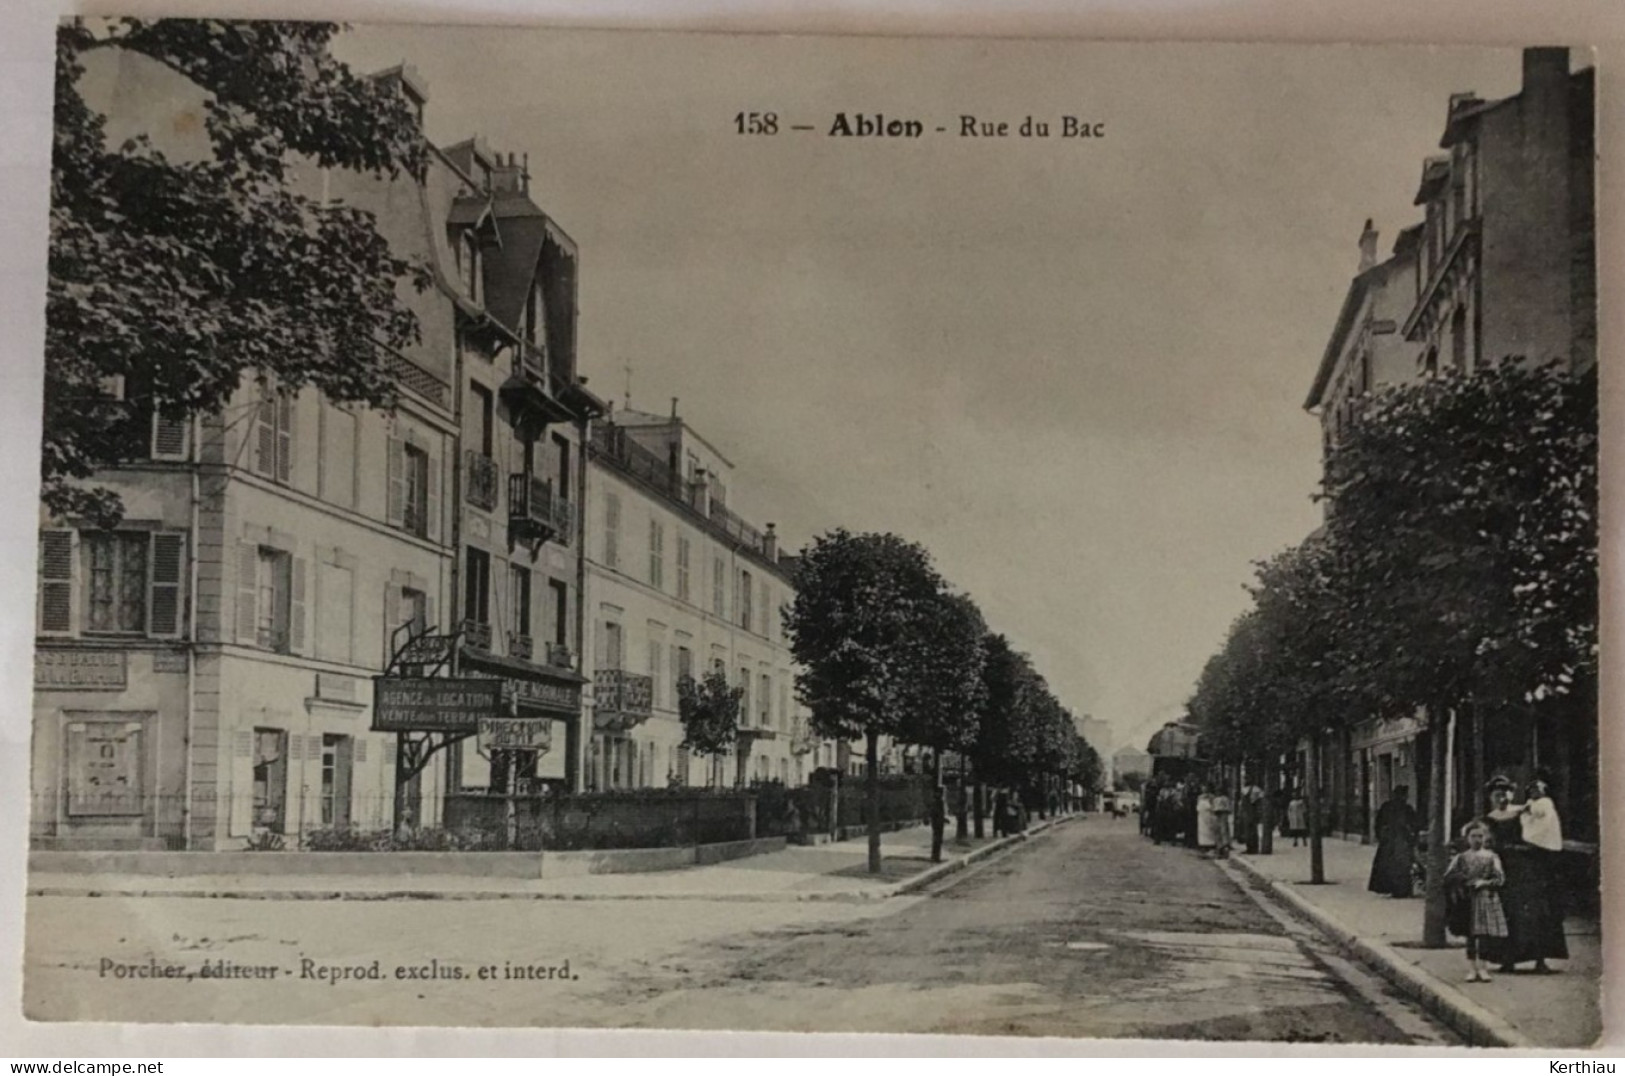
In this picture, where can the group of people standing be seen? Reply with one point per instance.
(1501, 885)
(1185, 811)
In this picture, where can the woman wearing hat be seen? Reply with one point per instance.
(1533, 913)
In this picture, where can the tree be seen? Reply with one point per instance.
(1464, 508)
(168, 278)
(1131, 782)
(1087, 771)
(709, 711)
(879, 646)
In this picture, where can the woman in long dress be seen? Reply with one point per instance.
(1207, 822)
(1396, 846)
(1533, 912)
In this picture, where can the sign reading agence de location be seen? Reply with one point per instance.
(422, 704)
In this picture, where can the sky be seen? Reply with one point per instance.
(1073, 369)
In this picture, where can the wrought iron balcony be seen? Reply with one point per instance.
(482, 481)
(559, 656)
(520, 646)
(477, 634)
(621, 700)
(531, 394)
(531, 513)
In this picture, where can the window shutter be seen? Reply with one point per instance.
(242, 784)
(164, 611)
(392, 619)
(284, 436)
(168, 438)
(395, 509)
(360, 751)
(296, 606)
(264, 447)
(248, 570)
(56, 582)
(432, 497)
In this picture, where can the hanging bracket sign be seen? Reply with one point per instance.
(515, 734)
(434, 704)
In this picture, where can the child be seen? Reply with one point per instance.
(1478, 871)
(1297, 818)
(1541, 826)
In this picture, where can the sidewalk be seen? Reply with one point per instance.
(833, 871)
(1516, 1010)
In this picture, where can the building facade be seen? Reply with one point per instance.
(679, 585)
(1501, 268)
(205, 673)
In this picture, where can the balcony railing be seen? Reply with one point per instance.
(482, 481)
(564, 520)
(621, 699)
(477, 634)
(559, 656)
(531, 514)
(520, 646)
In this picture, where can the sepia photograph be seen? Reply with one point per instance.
(559, 528)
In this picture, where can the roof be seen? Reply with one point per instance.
(627, 416)
(1358, 287)
(1435, 173)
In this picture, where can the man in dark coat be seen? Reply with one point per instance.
(1396, 846)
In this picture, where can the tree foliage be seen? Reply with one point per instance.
(709, 710)
(172, 276)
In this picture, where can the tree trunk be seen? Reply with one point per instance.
(1433, 914)
(961, 806)
(978, 804)
(871, 789)
(1317, 851)
(1266, 836)
(939, 814)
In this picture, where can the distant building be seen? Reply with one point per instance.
(678, 585)
(1098, 734)
(1127, 761)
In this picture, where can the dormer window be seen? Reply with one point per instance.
(468, 266)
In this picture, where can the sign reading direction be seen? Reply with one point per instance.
(515, 734)
(423, 704)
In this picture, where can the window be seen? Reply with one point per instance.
(763, 604)
(612, 645)
(744, 693)
(561, 451)
(335, 596)
(270, 779)
(745, 593)
(336, 751)
(535, 317)
(657, 554)
(612, 530)
(273, 583)
(484, 415)
(655, 648)
(168, 438)
(685, 664)
(415, 506)
(468, 266)
(784, 702)
(133, 582)
(273, 434)
(765, 702)
(683, 582)
(561, 611)
(404, 607)
(336, 478)
(477, 587)
(718, 572)
(519, 581)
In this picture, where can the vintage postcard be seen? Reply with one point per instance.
(700, 531)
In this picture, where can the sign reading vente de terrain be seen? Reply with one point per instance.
(423, 704)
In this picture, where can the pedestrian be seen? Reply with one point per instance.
(1479, 872)
(1396, 846)
(1221, 818)
(1533, 913)
(1001, 814)
(1249, 810)
(1297, 818)
(1207, 822)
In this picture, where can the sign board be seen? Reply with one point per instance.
(104, 768)
(425, 704)
(563, 699)
(515, 734)
(423, 650)
(81, 670)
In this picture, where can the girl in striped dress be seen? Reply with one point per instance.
(1478, 872)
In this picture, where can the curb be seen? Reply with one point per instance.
(862, 896)
(1478, 1025)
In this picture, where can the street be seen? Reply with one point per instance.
(1086, 931)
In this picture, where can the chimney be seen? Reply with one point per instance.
(770, 543)
(1368, 246)
(1545, 69)
(511, 174)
